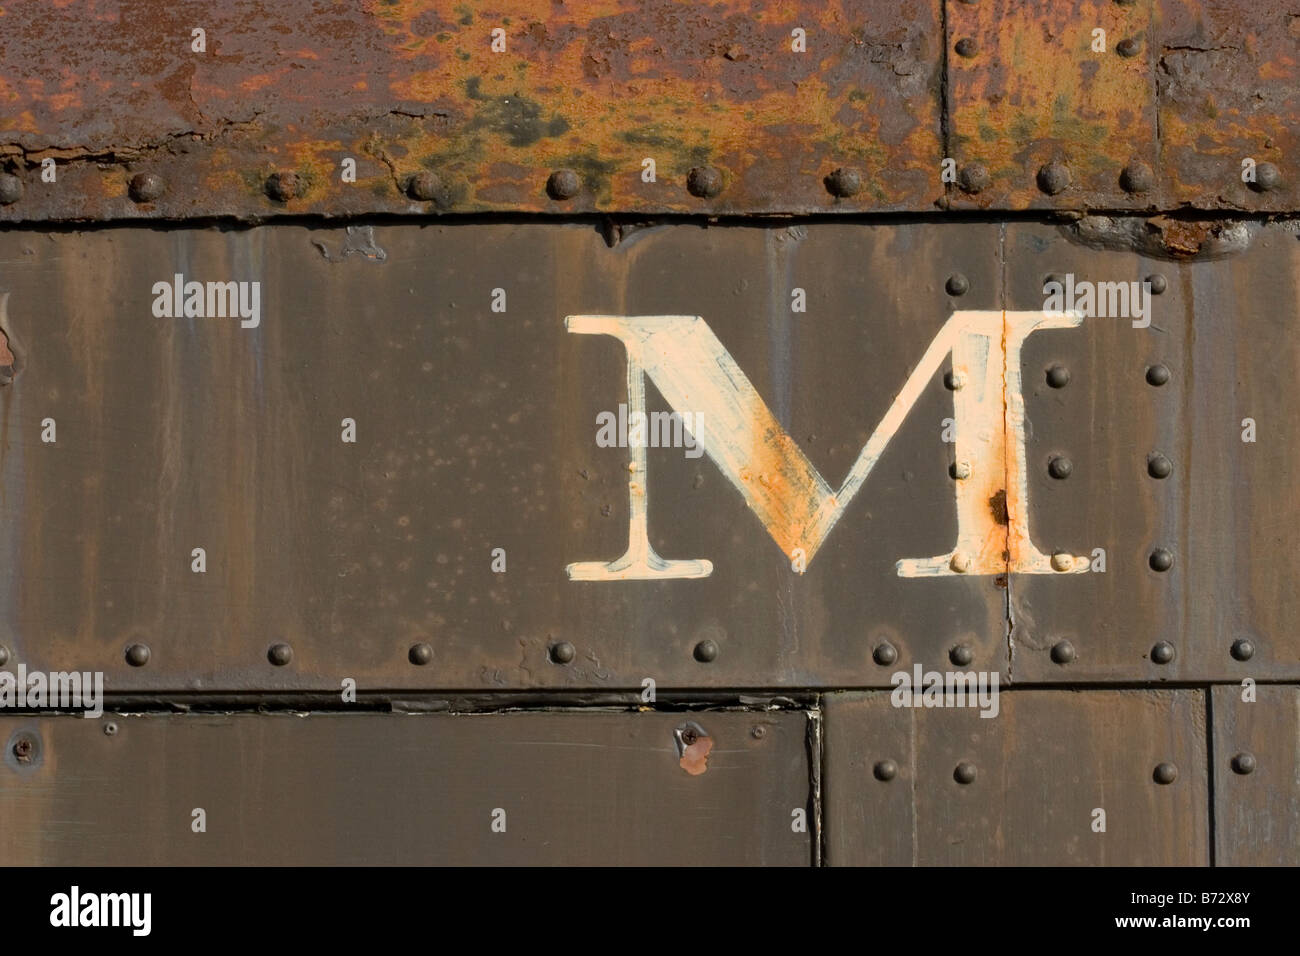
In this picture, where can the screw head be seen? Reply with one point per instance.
(843, 183)
(960, 561)
(1267, 177)
(146, 187)
(1158, 466)
(1158, 283)
(967, 47)
(283, 186)
(885, 770)
(954, 381)
(1128, 47)
(1243, 763)
(110, 729)
(974, 178)
(1165, 773)
(960, 470)
(957, 284)
(884, 654)
(137, 655)
(279, 654)
(1158, 375)
(4, 655)
(11, 189)
(561, 652)
(1062, 652)
(1053, 178)
(1162, 559)
(961, 655)
(425, 186)
(706, 651)
(1162, 653)
(420, 654)
(704, 182)
(1061, 561)
(563, 184)
(1060, 467)
(23, 748)
(1058, 376)
(758, 732)
(1137, 177)
(1242, 649)
(964, 773)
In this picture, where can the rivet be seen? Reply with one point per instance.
(885, 770)
(960, 562)
(706, 651)
(1158, 466)
(420, 654)
(283, 186)
(1062, 561)
(1129, 46)
(957, 284)
(1242, 649)
(758, 732)
(961, 655)
(974, 178)
(1137, 177)
(110, 729)
(11, 189)
(1158, 283)
(1058, 376)
(1267, 177)
(965, 773)
(954, 381)
(1161, 559)
(146, 187)
(1060, 467)
(425, 186)
(959, 470)
(884, 654)
(137, 655)
(966, 47)
(1062, 652)
(843, 183)
(279, 654)
(1243, 763)
(1157, 375)
(1165, 773)
(563, 184)
(1053, 278)
(4, 655)
(1053, 178)
(1162, 653)
(704, 182)
(561, 652)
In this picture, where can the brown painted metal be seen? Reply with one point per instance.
(602, 788)
(1042, 766)
(1256, 748)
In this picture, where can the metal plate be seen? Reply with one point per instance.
(1256, 776)
(373, 789)
(1224, 329)
(476, 430)
(1043, 766)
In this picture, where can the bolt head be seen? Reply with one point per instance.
(961, 655)
(1062, 652)
(844, 183)
(110, 729)
(1267, 177)
(954, 381)
(960, 470)
(957, 284)
(967, 47)
(1158, 375)
(1162, 653)
(283, 186)
(11, 189)
(1060, 467)
(1243, 763)
(704, 182)
(884, 654)
(1137, 177)
(706, 651)
(1242, 649)
(1158, 466)
(279, 654)
(885, 770)
(1058, 376)
(974, 178)
(1162, 559)
(1053, 178)
(1061, 561)
(964, 773)
(137, 655)
(1165, 773)
(758, 732)
(1129, 47)
(146, 187)
(561, 652)
(563, 184)
(960, 561)
(420, 654)
(1158, 283)
(424, 186)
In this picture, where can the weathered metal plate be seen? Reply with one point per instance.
(1224, 329)
(110, 91)
(1042, 766)
(599, 789)
(1033, 90)
(1256, 745)
(475, 430)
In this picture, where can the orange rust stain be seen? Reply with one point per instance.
(695, 757)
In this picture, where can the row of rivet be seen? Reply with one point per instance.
(1164, 773)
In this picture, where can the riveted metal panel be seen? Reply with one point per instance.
(476, 430)
(1223, 329)
(1038, 772)
(604, 788)
(1256, 745)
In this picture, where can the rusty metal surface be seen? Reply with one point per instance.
(1040, 769)
(601, 789)
(1224, 328)
(1256, 751)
